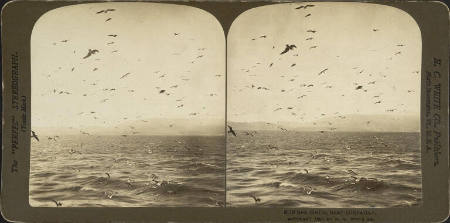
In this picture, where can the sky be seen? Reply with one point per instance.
(150, 64)
(371, 55)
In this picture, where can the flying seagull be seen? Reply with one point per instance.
(231, 130)
(255, 198)
(288, 47)
(106, 11)
(90, 53)
(34, 136)
(123, 76)
(58, 203)
(323, 71)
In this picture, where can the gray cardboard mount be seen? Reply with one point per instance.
(18, 19)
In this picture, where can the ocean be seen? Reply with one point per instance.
(132, 171)
(323, 170)
(264, 169)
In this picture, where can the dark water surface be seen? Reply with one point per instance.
(144, 171)
(282, 169)
(330, 169)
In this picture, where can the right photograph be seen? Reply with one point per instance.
(323, 107)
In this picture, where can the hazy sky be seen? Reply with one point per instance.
(178, 49)
(369, 45)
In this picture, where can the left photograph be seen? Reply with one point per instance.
(127, 107)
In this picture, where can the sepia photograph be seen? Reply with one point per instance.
(127, 107)
(323, 107)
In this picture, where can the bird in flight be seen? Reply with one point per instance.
(106, 11)
(304, 6)
(90, 53)
(309, 14)
(113, 35)
(255, 198)
(263, 36)
(34, 135)
(323, 71)
(288, 47)
(310, 38)
(123, 76)
(231, 130)
(311, 31)
(58, 203)
(359, 87)
(107, 19)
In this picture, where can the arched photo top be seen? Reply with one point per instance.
(358, 12)
(83, 12)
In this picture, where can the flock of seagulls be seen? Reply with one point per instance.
(173, 91)
(302, 88)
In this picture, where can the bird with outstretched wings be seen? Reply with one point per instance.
(34, 135)
(90, 53)
(231, 130)
(288, 47)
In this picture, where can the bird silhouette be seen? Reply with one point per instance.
(288, 47)
(123, 76)
(107, 19)
(231, 130)
(255, 198)
(90, 53)
(58, 203)
(323, 71)
(106, 11)
(113, 35)
(34, 135)
(311, 31)
(309, 14)
(359, 87)
(310, 38)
